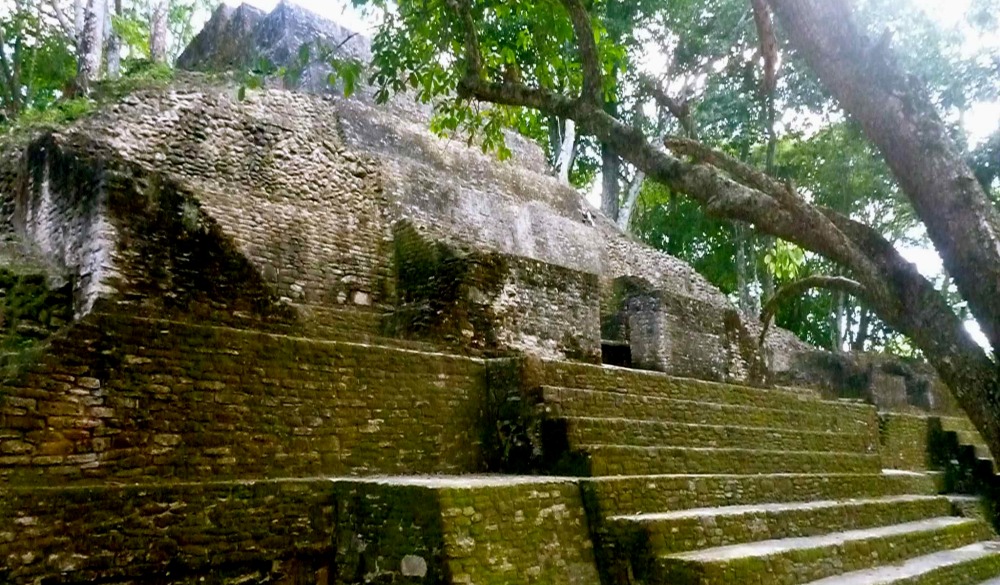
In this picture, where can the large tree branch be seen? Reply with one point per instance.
(896, 291)
(590, 58)
(784, 194)
(923, 314)
(900, 120)
(771, 206)
(799, 287)
(738, 169)
(898, 117)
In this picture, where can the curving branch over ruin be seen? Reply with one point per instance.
(902, 123)
(800, 287)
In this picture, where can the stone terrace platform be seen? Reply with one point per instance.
(136, 447)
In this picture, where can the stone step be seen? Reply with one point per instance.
(665, 493)
(347, 318)
(791, 561)
(355, 324)
(686, 530)
(967, 565)
(632, 460)
(982, 452)
(565, 402)
(655, 433)
(970, 438)
(801, 391)
(959, 423)
(658, 384)
(974, 440)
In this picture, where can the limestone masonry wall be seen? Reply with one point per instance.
(123, 236)
(72, 232)
(303, 531)
(549, 311)
(490, 301)
(492, 534)
(365, 552)
(475, 530)
(157, 401)
(299, 194)
(904, 441)
(183, 533)
(274, 175)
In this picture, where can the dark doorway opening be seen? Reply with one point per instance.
(616, 353)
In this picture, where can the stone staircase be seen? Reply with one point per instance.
(969, 439)
(691, 482)
(270, 445)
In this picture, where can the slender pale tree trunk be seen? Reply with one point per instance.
(631, 202)
(838, 321)
(90, 48)
(114, 43)
(79, 19)
(745, 277)
(567, 150)
(610, 166)
(158, 32)
(627, 211)
(767, 241)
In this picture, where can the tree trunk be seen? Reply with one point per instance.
(567, 151)
(610, 164)
(79, 20)
(838, 322)
(89, 50)
(898, 117)
(767, 242)
(627, 211)
(10, 86)
(901, 296)
(114, 44)
(864, 324)
(158, 32)
(743, 279)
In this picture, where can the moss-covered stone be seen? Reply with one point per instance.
(804, 565)
(530, 533)
(491, 302)
(122, 397)
(30, 311)
(904, 441)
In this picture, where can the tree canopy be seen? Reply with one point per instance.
(45, 43)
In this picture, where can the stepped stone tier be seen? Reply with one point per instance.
(297, 339)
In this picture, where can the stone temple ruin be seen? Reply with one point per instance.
(298, 339)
